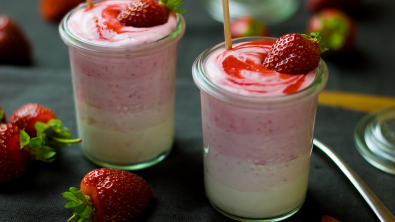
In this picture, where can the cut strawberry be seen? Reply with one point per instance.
(148, 13)
(295, 54)
(337, 30)
(109, 195)
(15, 47)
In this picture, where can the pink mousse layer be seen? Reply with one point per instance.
(240, 71)
(99, 25)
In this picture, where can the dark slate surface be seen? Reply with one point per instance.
(177, 182)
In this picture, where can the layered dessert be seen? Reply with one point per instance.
(256, 156)
(124, 84)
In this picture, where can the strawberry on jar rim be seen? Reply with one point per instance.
(109, 195)
(295, 53)
(148, 13)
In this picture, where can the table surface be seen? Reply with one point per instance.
(177, 182)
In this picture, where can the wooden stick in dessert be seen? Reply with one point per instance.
(228, 38)
(89, 3)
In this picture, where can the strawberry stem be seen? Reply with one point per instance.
(80, 204)
(68, 141)
(316, 37)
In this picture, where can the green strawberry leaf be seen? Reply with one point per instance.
(71, 204)
(172, 5)
(80, 204)
(1, 115)
(70, 196)
(35, 143)
(24, 138)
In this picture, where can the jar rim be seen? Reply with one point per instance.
(205, 84)
(73, 40)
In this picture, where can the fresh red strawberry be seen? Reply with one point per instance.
(295, 54)
(148, 13)
(247, 26)
(54, 10)
(337, 30)
(326, 218)
(39, 121)
(13, 160)
(15, 47)
(3, 117)
(27, 115)
(109, 195)
(316, 5)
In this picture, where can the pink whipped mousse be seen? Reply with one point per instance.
(240, 71)
(99, 25)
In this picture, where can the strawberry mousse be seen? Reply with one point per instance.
(257, 130)
(124, 84)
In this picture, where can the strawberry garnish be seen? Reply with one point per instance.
(109, 195)
(15, 47)
(3, 118)
(295, 54)
(148, 13)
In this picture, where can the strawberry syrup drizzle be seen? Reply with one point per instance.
(111, 23)
(234, 68)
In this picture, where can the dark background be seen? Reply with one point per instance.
(177, 182)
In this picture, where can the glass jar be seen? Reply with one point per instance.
(257, 149)
(124, 97)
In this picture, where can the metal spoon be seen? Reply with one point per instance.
(377, 206)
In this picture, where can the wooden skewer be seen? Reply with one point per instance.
(228, 38)
(89, 3)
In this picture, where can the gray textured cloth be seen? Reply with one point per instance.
(177, 182)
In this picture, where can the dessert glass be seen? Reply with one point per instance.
(124, 98)
(256, 149)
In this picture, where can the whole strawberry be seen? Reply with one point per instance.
(26, 117)
(3, 117)
(327, 218)
(13, 159)
(247, 26)
(54, 10)
(148, 13)
(337, 30)
(40, 122)
(316, 5)
(109, 195)
(15, 47)
(295, 54)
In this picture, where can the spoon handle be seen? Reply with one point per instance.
(377, 206)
